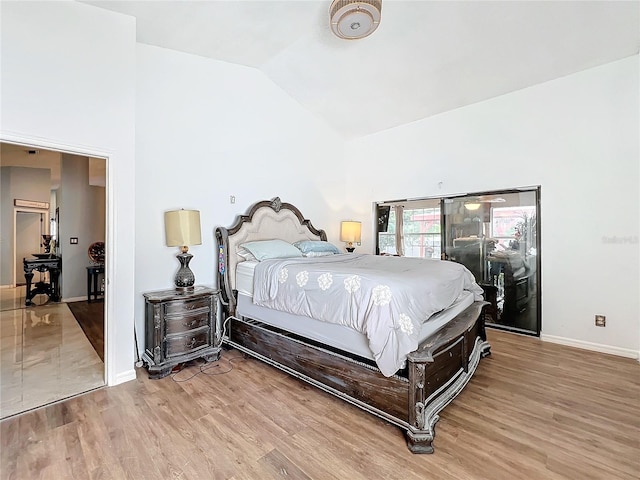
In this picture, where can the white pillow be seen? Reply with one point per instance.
(245, 254)
(266, 249)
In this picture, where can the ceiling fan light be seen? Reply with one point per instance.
(354, 19)
(472, 205)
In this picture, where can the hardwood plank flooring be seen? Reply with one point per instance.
(534, 410)
(90, 317)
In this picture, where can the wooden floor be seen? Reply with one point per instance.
(533, 410)
(90, 317)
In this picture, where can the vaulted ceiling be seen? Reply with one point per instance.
(426, 57)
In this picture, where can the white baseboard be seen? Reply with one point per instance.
(124, 377)
(74, 299)
(596, 347)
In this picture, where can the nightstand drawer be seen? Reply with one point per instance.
(186, 306)
(182, 344)
(184, 323)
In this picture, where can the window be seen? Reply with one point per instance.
(387, 237)
(421, 232)
(414, 226)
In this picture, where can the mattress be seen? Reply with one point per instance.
(244, 277)
(335, 335)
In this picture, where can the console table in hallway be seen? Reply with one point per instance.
(52, 288)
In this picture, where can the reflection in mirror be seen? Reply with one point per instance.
(494, 234)
(497, 240)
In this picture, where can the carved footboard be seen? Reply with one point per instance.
(436, 372)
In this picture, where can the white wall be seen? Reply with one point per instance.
(81, 216)
(68, 83)
(577, 137)
(206, 130)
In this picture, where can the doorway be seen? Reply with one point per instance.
(30, 226)
(48, 357)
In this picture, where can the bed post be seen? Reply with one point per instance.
(422, 425)
(438, 371)
(228, 300)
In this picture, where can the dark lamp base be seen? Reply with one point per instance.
(184, 277)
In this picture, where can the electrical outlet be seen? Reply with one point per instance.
(73, 240)
(601, 321)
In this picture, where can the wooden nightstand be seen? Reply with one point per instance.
(180, 326)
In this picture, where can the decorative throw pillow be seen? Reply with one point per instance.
(266, 249)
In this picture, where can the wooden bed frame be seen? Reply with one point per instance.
(411, 399)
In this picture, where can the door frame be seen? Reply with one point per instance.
(110, 375)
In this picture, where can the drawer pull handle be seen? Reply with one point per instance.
(190, 324)
(191, 343)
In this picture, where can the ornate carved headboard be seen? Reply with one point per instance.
(266, 220)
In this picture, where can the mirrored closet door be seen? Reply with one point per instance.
(494, 234)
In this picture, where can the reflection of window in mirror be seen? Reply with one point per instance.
(512, 228)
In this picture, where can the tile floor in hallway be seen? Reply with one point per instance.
(44, 354)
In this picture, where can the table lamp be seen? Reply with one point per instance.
(182, 228)
(350, 232)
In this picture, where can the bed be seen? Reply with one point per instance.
(431, 359)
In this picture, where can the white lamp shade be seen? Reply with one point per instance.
(182, 228)
(350, 231)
